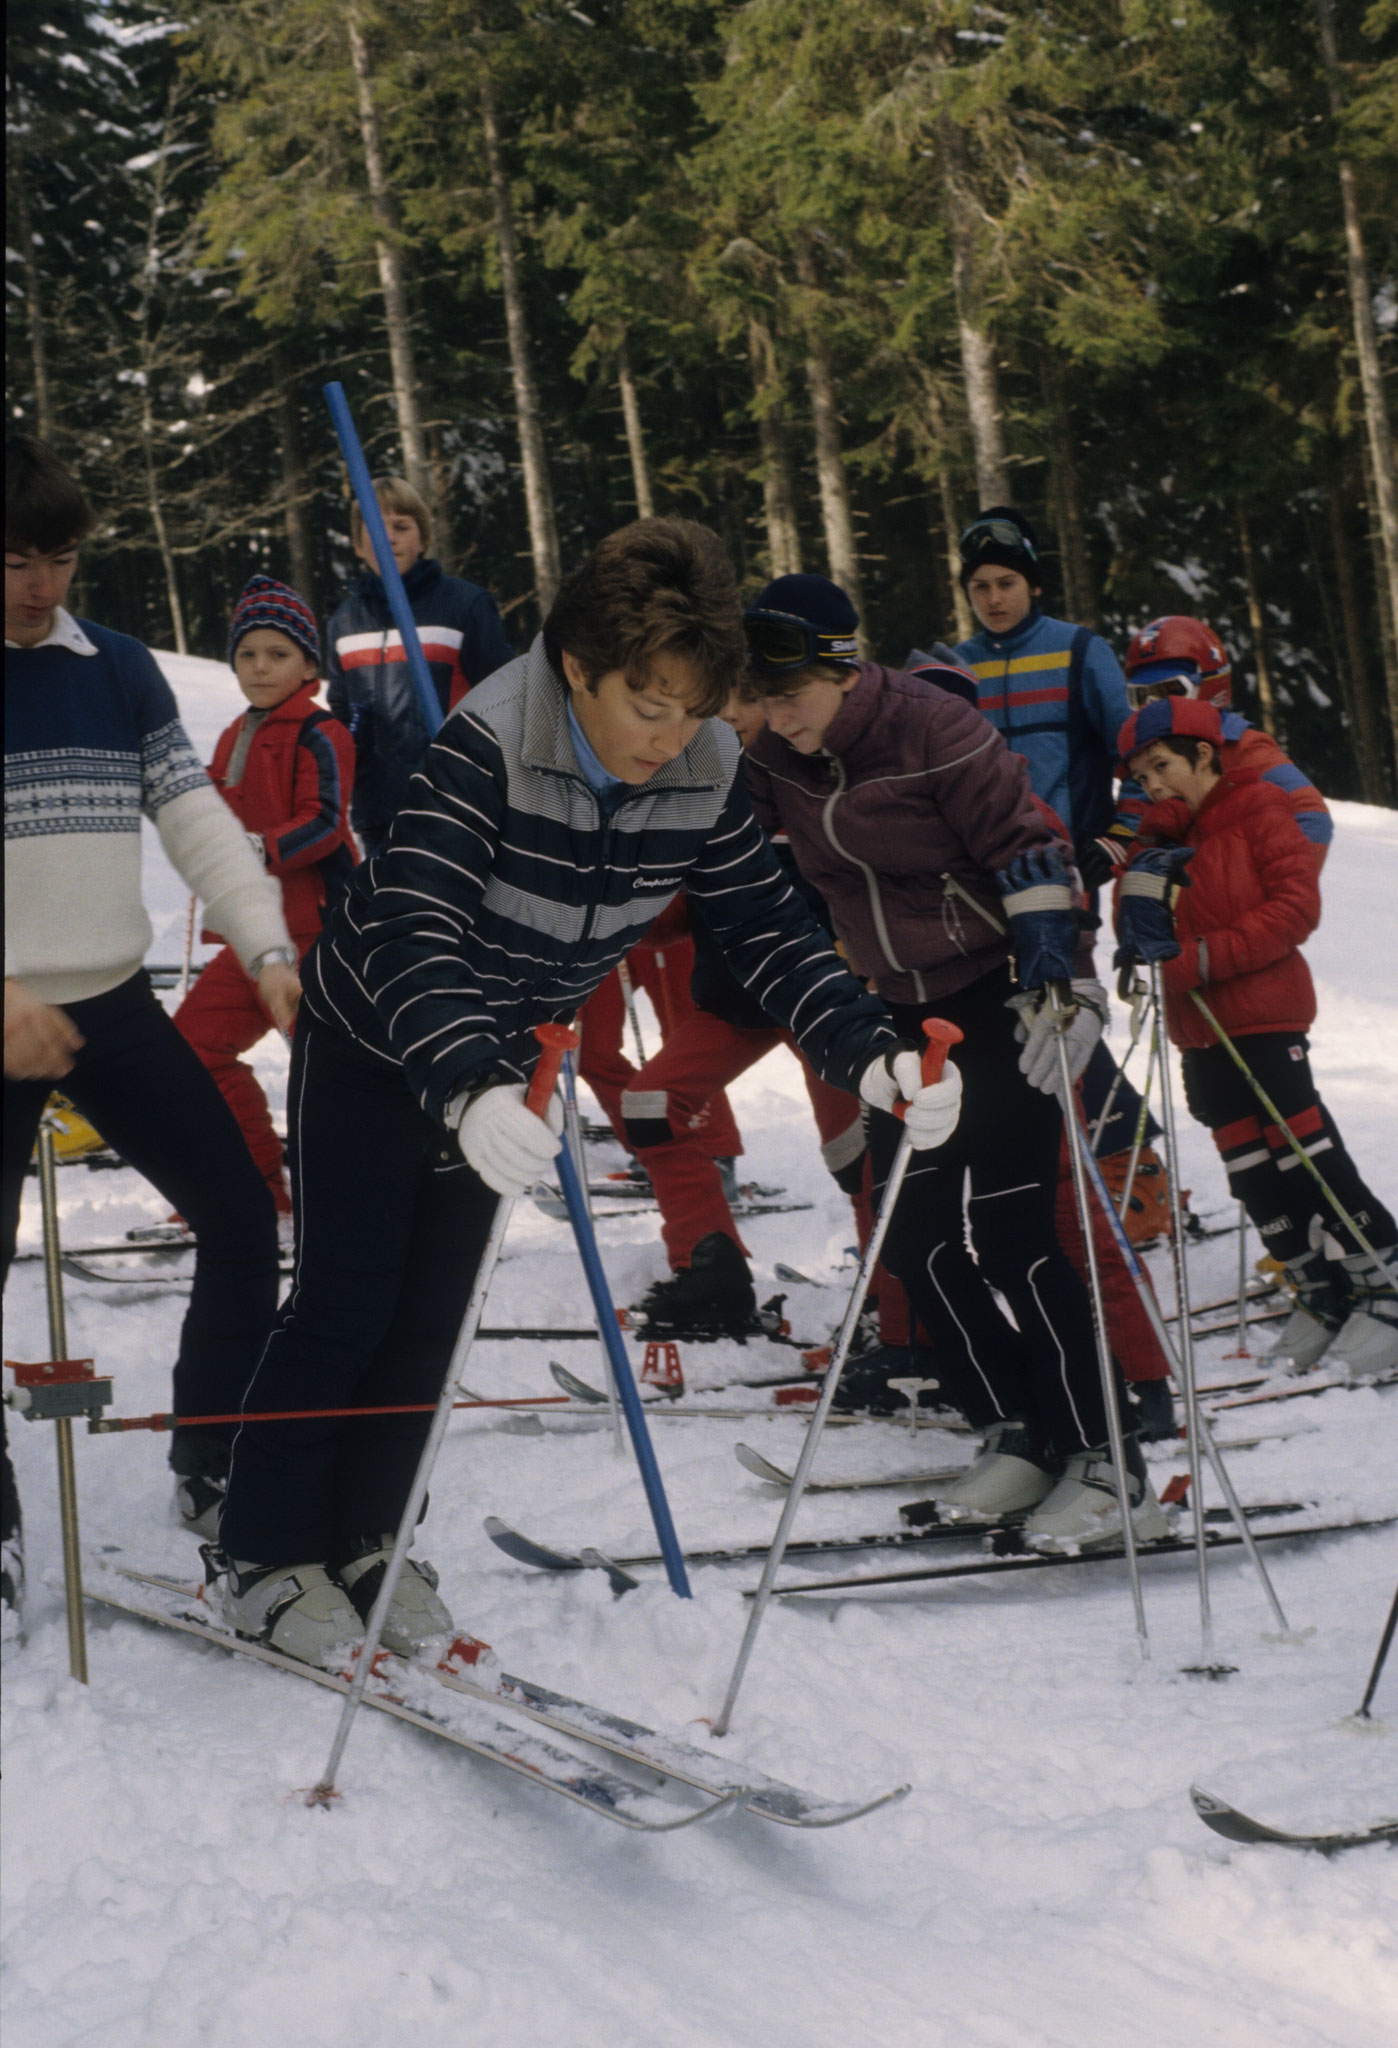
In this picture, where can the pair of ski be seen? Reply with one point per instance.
(459, 1700)
(627, 1198)
(621, 1571)
(796, 1396)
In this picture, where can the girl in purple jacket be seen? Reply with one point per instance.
(906, 810)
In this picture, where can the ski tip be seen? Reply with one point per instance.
(760, 1467)
(802, 1811)
(524, 1551)
(618, 1578)
(576, 1389)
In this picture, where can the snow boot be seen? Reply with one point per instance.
(1367, 1346)
(199, 1502)
(1082, 1512)
(415, 1614)
(1154, 1403)
(866, 1383)
(295, 1608)
(1012, 1474)
(710, 1297)
(1320, 1306)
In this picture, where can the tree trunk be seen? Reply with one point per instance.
(1369, 750)
(635, 439)
(33, 300)
(147, 357)
(538, 490)
(295, 488)
(951, 512)
(829, 450)
(1258, 623)
(778, 488)
(978, 365)
(1387, 620)
(392, 275)
(1380, 436)
(1075, 564)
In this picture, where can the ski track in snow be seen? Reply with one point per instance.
(1046, 1885)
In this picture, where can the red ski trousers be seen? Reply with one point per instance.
(1134, 1344)
(663, 972)
(697, 1060)
(221, 1017)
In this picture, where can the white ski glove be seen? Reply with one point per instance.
(509, 1147)
(1039, 1060)
(934, 1108)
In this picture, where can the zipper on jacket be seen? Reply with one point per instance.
(954, 888)
(871, 880)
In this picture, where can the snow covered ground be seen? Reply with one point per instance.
(1047, 1884)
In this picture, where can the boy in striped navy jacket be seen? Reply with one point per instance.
(554, 816)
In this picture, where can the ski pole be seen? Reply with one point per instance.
(1138, 1136)
(1292, 1140)
(552, 1038)
(1060, 1014)
(363, 486)
(1188, 1385)
(629, 997)
(941, 1036)
(63, 1424)
(1362, 1711)
(610, 1329)
(115, 1425)
(572, 1130)
(1146, 1294)
(1138, 1003)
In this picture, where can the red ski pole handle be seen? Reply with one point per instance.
(941, 1037)
(554, 1041)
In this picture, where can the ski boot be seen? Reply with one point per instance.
(710, 1297)
(1367, 1346)
(199, 1500)
(295, 1608)
(1320, 1307)
(866, 1384)
(415, 1614)
(1012, 1474)
(1083, 1513)
(1148, 1212)
(1154, 1405)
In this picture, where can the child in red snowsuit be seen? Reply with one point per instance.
(1225, 844)
(285, 769)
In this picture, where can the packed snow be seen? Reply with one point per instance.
(1046, 1884)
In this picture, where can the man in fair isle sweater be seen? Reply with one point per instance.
(93, 742)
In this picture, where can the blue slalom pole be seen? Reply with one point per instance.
(621, 1373)
(402, 611)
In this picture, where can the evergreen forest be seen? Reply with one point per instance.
(826, 274)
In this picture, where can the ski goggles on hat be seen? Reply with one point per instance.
(778, 640)
(1156, 679)
(1000, 533)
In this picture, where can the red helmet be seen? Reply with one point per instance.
(1178, 657)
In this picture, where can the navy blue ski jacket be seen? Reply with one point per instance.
(371, 687)
(504, 897)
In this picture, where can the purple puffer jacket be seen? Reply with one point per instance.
(901, 823)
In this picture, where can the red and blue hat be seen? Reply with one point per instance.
(265, 602)
(1163, 718)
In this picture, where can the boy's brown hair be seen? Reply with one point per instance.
(784, 682)
(44, 504)
(395, 494)
(657, 586)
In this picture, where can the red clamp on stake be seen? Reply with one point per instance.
(795, 1397)
(58, 1387)
(818, 1358)
(661, 1367)
(1177, 1492)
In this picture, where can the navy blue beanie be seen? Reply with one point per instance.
(980, 547)
(815, 599)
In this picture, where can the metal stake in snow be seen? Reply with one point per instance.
(554, 1039)
(1361, 1712)
(63, 1424)
(1148, 1302)
(941, 1037)
(363, 485)
(572, 1132)
(1061, 1013)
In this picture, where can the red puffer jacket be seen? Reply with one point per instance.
(1254, 896)
(295, 791)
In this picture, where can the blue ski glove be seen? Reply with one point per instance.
(1145, 919)
(1038, 894)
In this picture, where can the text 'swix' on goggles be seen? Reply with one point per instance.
(781, 640)
(1000, 533)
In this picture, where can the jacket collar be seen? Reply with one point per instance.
(854, 716)
(426, 570)
(547, 743)
(1005, 643)
(299, 705)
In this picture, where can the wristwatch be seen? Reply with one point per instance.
(275, 956)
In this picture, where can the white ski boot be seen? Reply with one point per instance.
(1007, 1478)
(1083, 1513)
(1367, 1346)
(416, 1615)
(1318, 1310)
(295, 1608)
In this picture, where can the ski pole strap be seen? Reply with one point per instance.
(402, 611)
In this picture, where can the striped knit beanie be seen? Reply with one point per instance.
(1169, 718)
(265, 602)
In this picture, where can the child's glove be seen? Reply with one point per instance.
(1100, 861)
(509, 1147)
(1038, 893)
(934, 1108)
(1039, 1060)
(1145, 919)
